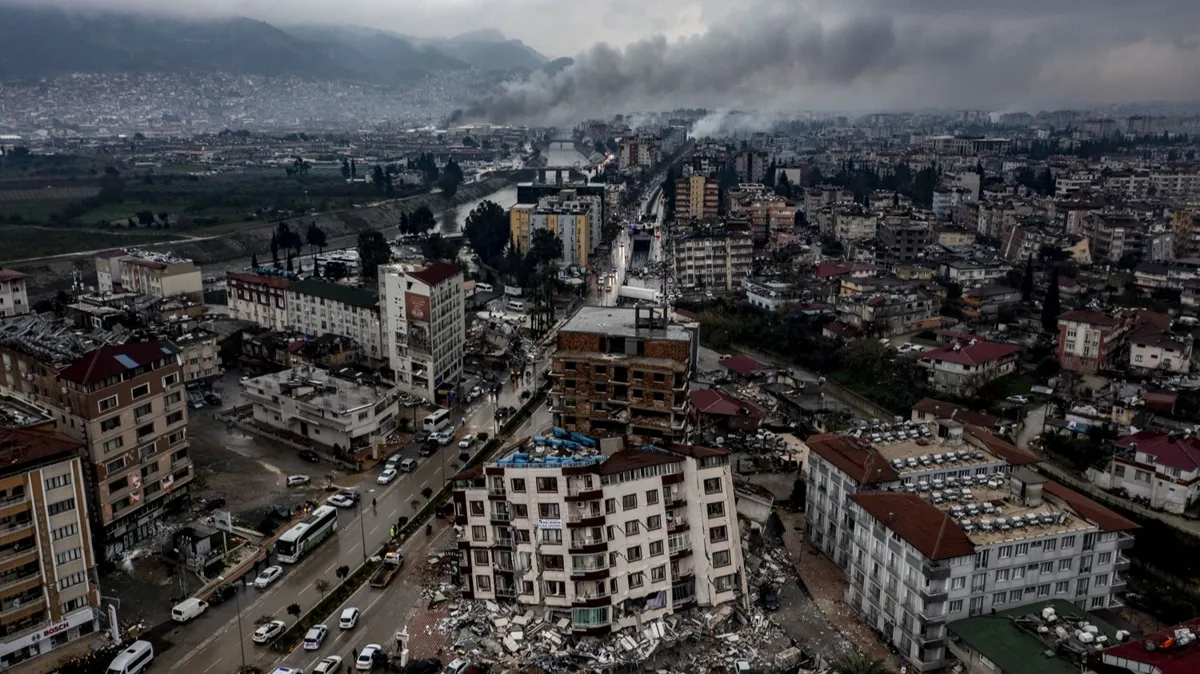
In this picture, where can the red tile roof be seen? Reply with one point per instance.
(1088, 316)
(19, 446)
(632, 459)
(685, 314)
(915, 520)
(111, 360)
(1104, 518)
(1182, 452)
(11, 275)
(832, 269)
(744, 365)
(697, 451)
(712, 401)
(863, 464)
(259, 279)
(436, 273)
(966, 353)
(943, 410)
(1002, 448)
(1167, 657)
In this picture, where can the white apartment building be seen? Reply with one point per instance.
(14, 299)
(930, 533)
(1162, 467)
(330, 411)
(316, 307)
(1156, 352)
(148, 273)
(605, 542)
(853, 223)
(945, 199)
(422, 313)
(258, 298)
(718, 259)
(1176, 185)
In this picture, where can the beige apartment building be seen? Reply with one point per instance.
(697, 197)
(606, 542)
(48, 587)
(424, 326)
(148, 273)
(14, 299)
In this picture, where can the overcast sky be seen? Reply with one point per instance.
(797, 54)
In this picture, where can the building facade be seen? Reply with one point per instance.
(1161, 467)
(1087, 340)
(150, 273)
(967, 365)
(696, 197)
(423, 314)
(605, 542)
(14, 298)
(316, 307)
(575, 219)
(330, 411)
(258, 298)
(716, 259)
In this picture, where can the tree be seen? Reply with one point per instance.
(322, 586)
(290, 267)
(451, 178)
(378, 178)
(288, 239)
(342, 572)
(345, 168)
(544, 247)
(436, 248)
(335, 271)
(254, 260)
(487, 231)
(1027, 282)
(783, 186)
(373, 250)
(1051, 306)
(860, 663)
(294, 610)
(275, 249)
(353, 169)
(427, 492)
(316, 239)
(422, 220)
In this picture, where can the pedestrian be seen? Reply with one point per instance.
(354, 654)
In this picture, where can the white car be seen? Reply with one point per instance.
(269, 631)
(1020, 400)
(466, 441)
(297, 480)
(283, 669)
(366, 657)
(445, 438)
(387, 476)
(315, 637)
(348, 619)
(341, 501)
(329, 665)
(269, 575)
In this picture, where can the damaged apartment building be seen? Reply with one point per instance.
(624, 372)
(940, 522)
(603, 542)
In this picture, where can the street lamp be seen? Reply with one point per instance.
(237, 597)
(362, 527)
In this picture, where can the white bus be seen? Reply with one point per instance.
(438, 421)
(298, 541)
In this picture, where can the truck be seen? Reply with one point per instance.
(392, 562)
(643, 294)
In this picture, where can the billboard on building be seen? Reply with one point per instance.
(416, 308)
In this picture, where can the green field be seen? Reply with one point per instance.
(126, 209)
(21, 242)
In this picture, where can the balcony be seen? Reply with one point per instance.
(20, 584)
(933, 595)
(497, 493)
(1122, 563)
(676, 523)
(501, 516)
(590, 518)
(583, 492)
(1124, 541)
(673, 498)
(12, 558)
(505, 542)
(587, 544)
(14, 531)
(506, 592)
(589, 570)
(15, 609)
(1118, 584)
(11, 505)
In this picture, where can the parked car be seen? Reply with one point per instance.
(297, 480)
(269, 631)
(188, 610)
(386, 476)
(408, 465)
(212, 399)
(269, 575)
(329, 665)
(1020, 400)
(310, 456)
(366, 657)
(421, 436)
(466, 441)
(341, 500)
(458, 666)
(315, 637)
(429, 448)
(348, 619)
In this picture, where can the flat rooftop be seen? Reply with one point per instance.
(318, 388)
(20, 414)
(621, 322)
(926, 455)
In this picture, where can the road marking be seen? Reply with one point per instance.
(214, 664)
(374, 530)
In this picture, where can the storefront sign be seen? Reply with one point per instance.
(72, 620)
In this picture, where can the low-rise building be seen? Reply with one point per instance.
(14, 298)
(969, 274)
(967, 365)
(258, 298)
(330, 411)
(1174, 650)
(607, 543)
(1024, 640)
(983, 305)
(1153, 351)
(1161, 467)
(1088, 340)
(318, 307)
(889, 314)
(151, 273)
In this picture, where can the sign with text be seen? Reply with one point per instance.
(416, 308)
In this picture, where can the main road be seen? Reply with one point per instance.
(214, 641)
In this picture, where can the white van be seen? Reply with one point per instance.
(134, 659)
(515, 305)
(188, 610)
(483, 287)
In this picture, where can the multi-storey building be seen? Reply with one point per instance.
(14, 299)
(574, 218)
(1132, 185)
(902, 241)
(751, 165)
(316, 307)
(333, 412)
(1155, 352)
(1161, 467)
(423, 317)
(930, 533)
(853, 223)
(696, 197)
(1088, 339)
(1112, 236)
(640, 151)
(890, 313)
(968, 364)
(717, 259)
(198, 354)
(1185, 226)
(624, 372)
(150, 273)
(605, 542)
(769, 214)
(258, 298)
(48, 584)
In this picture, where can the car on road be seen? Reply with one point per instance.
(408, 465)
(269, 631)
(310, 456)
(769, 596)
(284, 669)
(315, 637)
(393, 460)
(421, 436)
(1020, 400)
(346, 498)
(467, 441)
(366, 657)
(445, 437)
(429, 447)
(387, 476)
(269, 575)
(329, 665)
(297, 480)
(458, 666)
(348, 619)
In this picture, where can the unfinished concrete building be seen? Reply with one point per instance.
(624, 371)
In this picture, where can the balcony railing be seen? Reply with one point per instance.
(13, 554)
(500, 492)
(587, 568)
(575, 518)
(501, 516)
(578, 490)
(1122, 563)
(16, 607)
(508, 592)
(9, 584)
(15, 527)
(14, 500)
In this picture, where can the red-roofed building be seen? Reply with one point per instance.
(14, 298)
(1088, 339)
(1172, 653)
(1162, 467)
(744, 366)
(716, 409)
(927, 529)
(258, 298)
(929, 410)
(967, 365)
(842, 269)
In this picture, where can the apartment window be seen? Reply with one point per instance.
(716, 509)
(1068, 542)
(636, 580)
(1002, 576)
(721, 558)
(176, 417)
(629, 502)
(552, 536)
(633, 554)
(483, 583)
(654, 522)
(547, 484)
(178, 456)
(1062, 587)
(631, 528)
(548, 511)
(1018, 573)
(718, 534)
(1097, 602)
(170, 380)
(478, 533)
(999, 598)
(68, 556)
(113, 445)
(652, 497)
(552, 562)
(554, 588)
(108, 403)
(520, 511)
(1065, 564)
(58, 481)
(62, 532)
(1022, 549)
(172, 399)
(142, 410)
(712, 485)
(71, 580)
(1104, 558)
(152, 488)
(1005, 551)
(518, 485)
(956, 606)
(145, 451)
(1050, 545)
(143, 431)
(958, 583)
(658, 573)
(656, 548)
(76, 603)
(610, 506)
(1014, 596)
(115, 465)
(139, 391)
(481, 557)
(477, 509)
(1043, 590)
(109, 424)
(1102, 580)
(118, 484)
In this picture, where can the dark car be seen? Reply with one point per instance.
(351, 494)
(525, 395)
(421, 436)
(426, 666)
(214, 504)
(222, 594)
(770, 597)
(428, 448)
(212, 398)
(309, 455)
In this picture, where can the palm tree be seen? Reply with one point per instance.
(860, 663)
